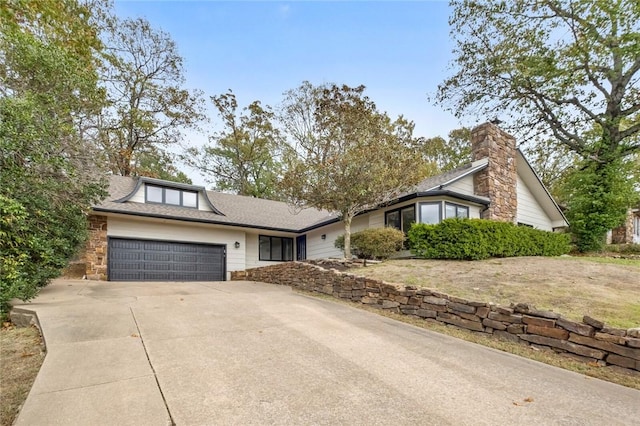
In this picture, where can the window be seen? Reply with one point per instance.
(276, 248)
(154, 194)
(402, 218)
(171, 196)
(430, 213)
(456, 211)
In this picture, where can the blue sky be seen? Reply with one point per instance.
(399, 50)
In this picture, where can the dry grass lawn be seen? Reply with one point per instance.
(604, 288)
(21, 355)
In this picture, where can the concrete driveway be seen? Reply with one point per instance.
(242, 353)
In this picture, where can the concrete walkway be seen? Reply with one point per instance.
(240, 353)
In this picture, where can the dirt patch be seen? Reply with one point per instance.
(604, 288)
(21, 355)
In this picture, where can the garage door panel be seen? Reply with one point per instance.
(189, 258)
(143, 260)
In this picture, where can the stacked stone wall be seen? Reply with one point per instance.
(96, 251)
(589, 341)
(499, 180)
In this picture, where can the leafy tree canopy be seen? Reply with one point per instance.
(346, 155)
(551, 65)
(565, 71)
(447, 154)
(48, 176)
(245, 156)
(148, 107)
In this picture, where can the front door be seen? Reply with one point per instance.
(301, 247)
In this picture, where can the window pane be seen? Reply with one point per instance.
(154, 194)
(449, 211)
(189, 199)
(172, 196)
(265, 248)
(393, 219)
(288, 248)
(430, 213)
(276, 248)
(463, 212)
(408, 218)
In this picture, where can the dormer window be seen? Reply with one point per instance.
(171, 196)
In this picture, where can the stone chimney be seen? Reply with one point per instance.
(498, 181)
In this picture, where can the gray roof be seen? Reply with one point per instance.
(238, 210)
(433, 182)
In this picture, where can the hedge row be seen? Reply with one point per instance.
(473, 239)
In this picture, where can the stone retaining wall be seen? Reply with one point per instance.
(590, 341)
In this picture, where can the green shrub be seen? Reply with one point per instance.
(374, 243)
(474, 239)
(35, 246)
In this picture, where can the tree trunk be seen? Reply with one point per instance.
(347, 236)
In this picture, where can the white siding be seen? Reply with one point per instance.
(170, 230)
(462, 186)
(139, 197)
(317, 248)
(529, 210)
(202, 203)
(376, 219)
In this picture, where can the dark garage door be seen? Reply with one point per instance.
(147, 260)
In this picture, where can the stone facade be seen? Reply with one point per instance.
(624, 233)
(96, 251)
(499, 180)
(589, 341)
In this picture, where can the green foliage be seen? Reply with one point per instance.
(245, 157)
(448, 154)
(624, 248)
(566, 72)
(36, 246)
(346, 156)
(474, 239)
(48, 173)
(374, 243)
(158, 164)
(550, 67)
(598, 198)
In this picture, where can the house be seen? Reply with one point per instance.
(629, 233)
(149, 230)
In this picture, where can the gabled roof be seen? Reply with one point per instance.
(539, 191)
(168, 184)
(249, 212)
(229, 209)
(440, 181)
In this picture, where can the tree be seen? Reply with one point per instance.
(559, 68)
(346, 156)
(48, 176)
(148, 108)
(244, 157)
(447, 155)
(374, 243)
(158, 164)
(553, 163)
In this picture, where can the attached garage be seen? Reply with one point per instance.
(153, 260)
